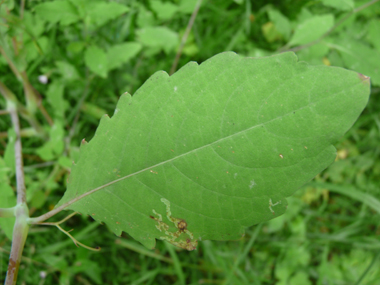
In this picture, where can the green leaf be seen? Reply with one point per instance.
(314, 54)
(96, 60)
(9, 153)
(145, 18)
(102, 12)
(33, 49)
(58, 11)
(55, 98)
(311, 29)
(343, 5)
(213, 145)
(119, 54)
(164, 10)
(356, 55)
(281, 23)
(65, 162)
(32, 20)
(270, 32)
(67, 70)
(352, 192)
(187, 6)
(93, 110)
(300, 277)
(76, 47)
(7, 199)
(373, 33)
(304, 15)
(55, 146)
(158, 37)
(38, 199)
(7, 6)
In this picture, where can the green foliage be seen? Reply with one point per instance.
(7, 198)
(158, 38)
(117, 55)
(343, 5)
(311, 29)
(329, 233)
(62, 11)
(96, 60)
(210, 139)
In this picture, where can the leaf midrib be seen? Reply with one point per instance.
(179, 156)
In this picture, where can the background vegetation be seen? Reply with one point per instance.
(66, 62)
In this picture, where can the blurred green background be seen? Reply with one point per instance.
(66, 62)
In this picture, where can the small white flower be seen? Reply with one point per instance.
(43, 79)
(43, 274)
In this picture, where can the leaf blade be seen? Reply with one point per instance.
(220, 141)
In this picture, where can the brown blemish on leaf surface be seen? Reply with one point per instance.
(177, 238)
(364, 78)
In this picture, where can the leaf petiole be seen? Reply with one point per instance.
(76, 242)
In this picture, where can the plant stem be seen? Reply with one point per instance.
(20, 232)
(33, 98)
(24, 112)
(22, 9)
(76, 242)
(10, 63)
(21, 198)
(185, 36)
(21, 227)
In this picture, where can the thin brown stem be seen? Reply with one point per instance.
(33, 98)
(21, 227)
(79, 106)
(185, 36)
(24, 133)
(10, 63)
(24, 112)
(20, 233)
(21, 197)
(4, 112)
(22, 5)
(76, 242)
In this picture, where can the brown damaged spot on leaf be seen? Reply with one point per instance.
(182, 225)
(364, 78)
(177, 238)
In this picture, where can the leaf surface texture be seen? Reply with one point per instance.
(219, 142)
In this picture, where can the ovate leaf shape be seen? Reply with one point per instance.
(158, 38)
(102, 12)
(214, 148)
(343, 5)
(164, 10)
(281, 23)
(96, 60)
(311, 29)
(58, 11)
(119, 54)
(362, 57)
(67, 71)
